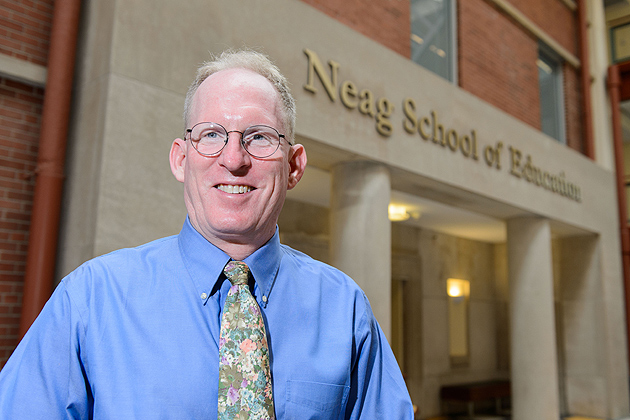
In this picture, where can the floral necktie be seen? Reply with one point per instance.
(244, 375)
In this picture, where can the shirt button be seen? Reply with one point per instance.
(264, 299)
(204, 295)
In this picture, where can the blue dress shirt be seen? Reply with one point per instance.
(134, 335)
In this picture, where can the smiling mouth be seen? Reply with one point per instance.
(234, 189)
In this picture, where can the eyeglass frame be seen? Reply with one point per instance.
(227, 139)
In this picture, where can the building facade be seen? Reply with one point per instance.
(24, 43)
(470, 118)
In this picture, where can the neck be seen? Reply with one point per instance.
(237, 252)
(237, 246)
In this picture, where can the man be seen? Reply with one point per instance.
(145, 333)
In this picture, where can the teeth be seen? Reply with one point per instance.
(234, 189)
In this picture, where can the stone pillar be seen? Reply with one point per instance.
(582, 322)
(360, 234)
(534, 364)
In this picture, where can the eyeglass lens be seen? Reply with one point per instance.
(258, 140)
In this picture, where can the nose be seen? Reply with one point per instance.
(233, 156)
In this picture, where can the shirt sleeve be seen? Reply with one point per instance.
(45, 377)
(378, 390)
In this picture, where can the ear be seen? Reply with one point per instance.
(297, 164)
(177, 158)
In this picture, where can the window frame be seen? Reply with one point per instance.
(452, 68)
(547, 56)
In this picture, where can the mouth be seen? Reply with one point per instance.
(234, 189)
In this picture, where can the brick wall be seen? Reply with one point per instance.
(20, 112)
(553, 17)
(24, 34)
(384, 21)
(573, 108)
(25, 29)
(504, 73)
(496, 55)
(497, 61)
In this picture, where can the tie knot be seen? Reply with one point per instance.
(236, 272)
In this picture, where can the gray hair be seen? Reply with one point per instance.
(250, 60)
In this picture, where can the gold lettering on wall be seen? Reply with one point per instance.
(380, 109)
(348, 94)
(492, 155)
(432, 128)
(384, 111)
(555, 183)
(315, 67)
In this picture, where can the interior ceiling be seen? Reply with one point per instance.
(315, 187)
(442, 208)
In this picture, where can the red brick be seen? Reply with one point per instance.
(11, 298)
(21, 217)
(23, 156)
(7, 246)
(8, 163)
(24, 24)
(19, 195)
(7, 342)
(7, 268)
(11, 44)
(503, 74)
(573, 109)
(14, 6)
(19, 86)
(24, 39)
(19, 237)
(554, 18)
(16, 104)
(7, 23)
(10, 205)
(7, 319)
(385, 21)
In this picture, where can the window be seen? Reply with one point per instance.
(433, 36)
(551, 95)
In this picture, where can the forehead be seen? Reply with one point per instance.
(232, 93)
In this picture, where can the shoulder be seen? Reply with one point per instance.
(315, 275)
(332, 294)
(309, 265)
(122, 267)
(128, 258)
(139, 253)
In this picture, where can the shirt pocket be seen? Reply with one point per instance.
(314, 400)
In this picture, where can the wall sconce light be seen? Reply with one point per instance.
(397, 213)
(400, 213)
(458, 288)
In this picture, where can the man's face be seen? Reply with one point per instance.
(234, 199)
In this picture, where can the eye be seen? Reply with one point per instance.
(211, 134)
(259, 137)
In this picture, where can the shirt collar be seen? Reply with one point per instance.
(264, 264)
(204, 261)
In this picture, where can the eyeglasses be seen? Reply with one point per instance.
(210, 139)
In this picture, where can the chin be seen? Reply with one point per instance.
(233, 228)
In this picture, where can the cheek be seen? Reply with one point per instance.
(194, 187)
(281, 181)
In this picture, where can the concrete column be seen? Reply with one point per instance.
(360, 233)
(534, 364)
(583, 329)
